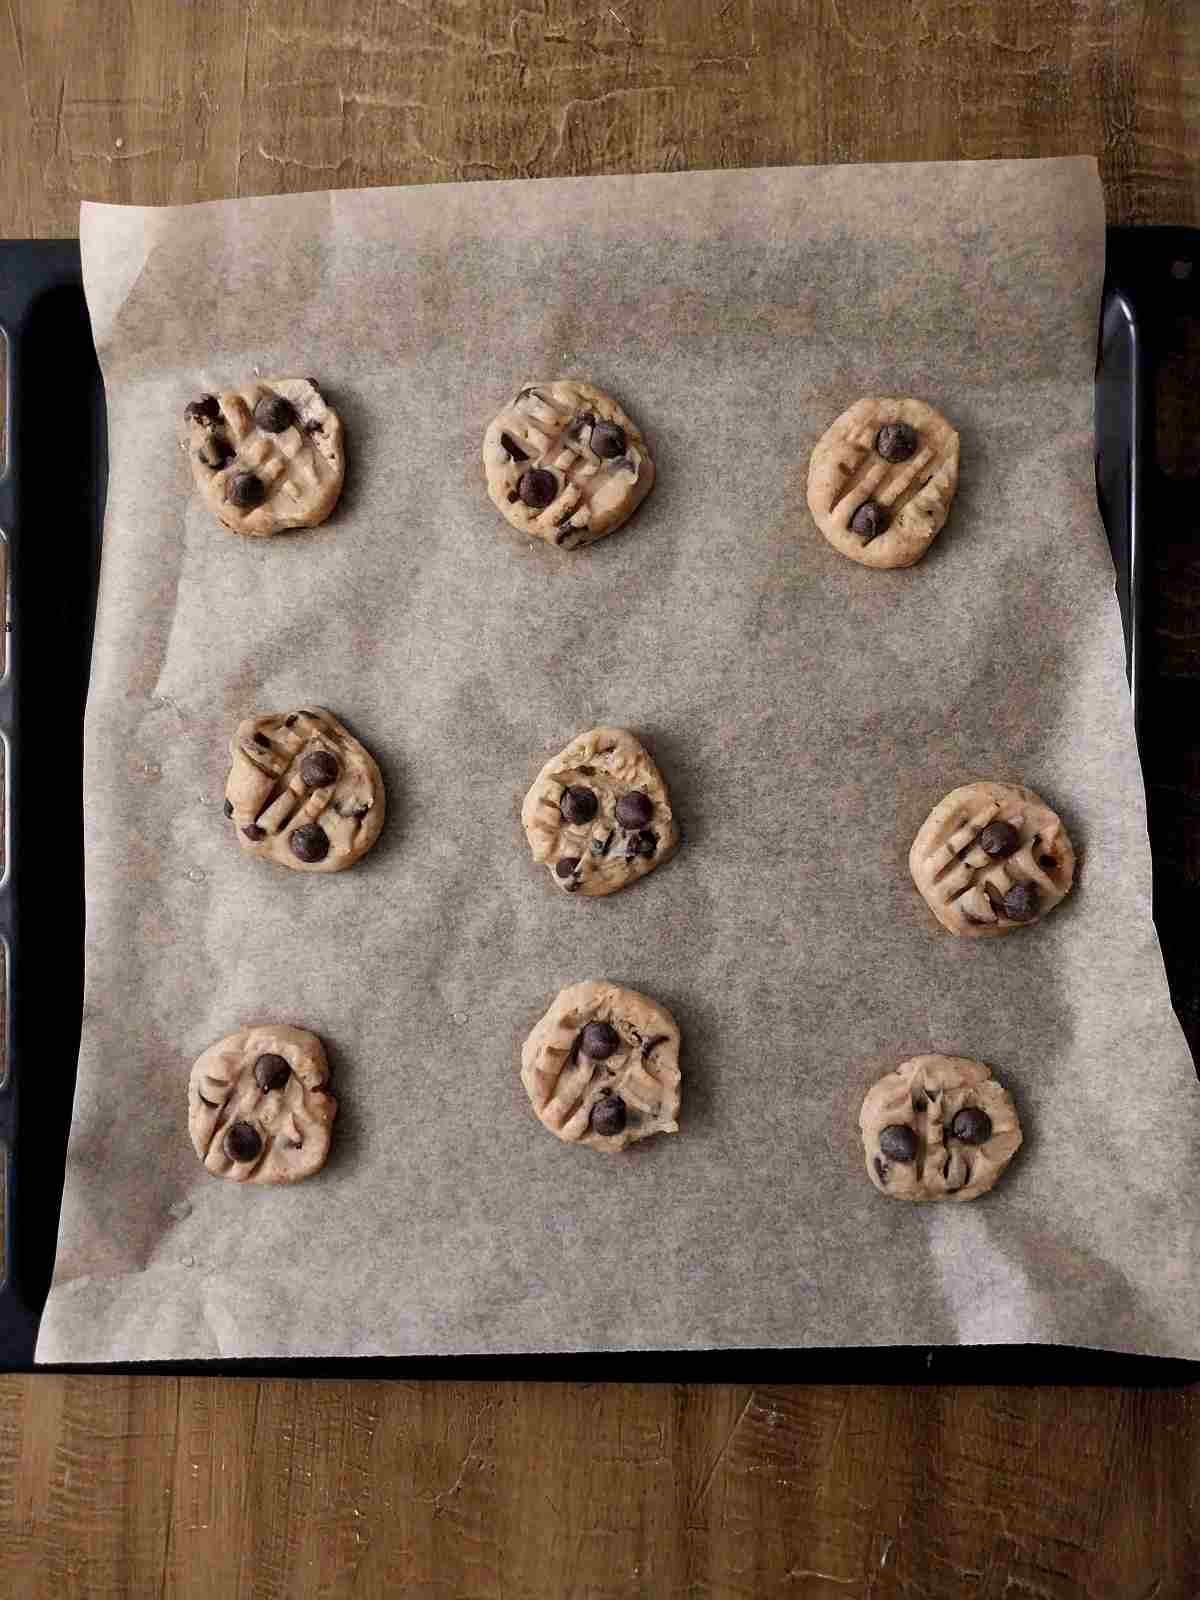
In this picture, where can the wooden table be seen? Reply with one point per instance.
(209, 1487)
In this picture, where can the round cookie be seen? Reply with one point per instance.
(266, 456)
(303, 792)
(599, 815)
(565, 464)
(601, 1068)
(938, 1128)
(881, 480)
(991, 857)
(259, 1105)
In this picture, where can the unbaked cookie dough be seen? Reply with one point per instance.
(601, 1068)
(565, 464)
(991, 857)
(266, 456)
(599, 815)
(302, 791)
(938, 1128)
(881, 480)
(259, 1105)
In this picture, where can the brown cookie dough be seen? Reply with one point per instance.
(938, 1128)
(266, 456)
(259, 1105)
(881, 480)
(991, 857)
(302, 791)
(601, 1068)
(565, 464)
(599, 815)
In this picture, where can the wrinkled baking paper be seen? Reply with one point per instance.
(807, 714)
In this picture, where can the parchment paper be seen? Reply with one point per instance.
(806, 711)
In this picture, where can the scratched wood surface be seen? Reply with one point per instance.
(208, 1487)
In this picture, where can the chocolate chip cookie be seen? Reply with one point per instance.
(259, 1105)
(302, 791)
(601, 1068)
(599, 815)
(938, 1128)
(565, 464)
(881, 480)
(266, 456)
(991, 857)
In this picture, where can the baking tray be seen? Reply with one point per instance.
(53, 474)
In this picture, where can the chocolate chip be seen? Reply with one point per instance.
(1021, 902)
(513, 497)
(999, 839)
(271, 1072)
(262, 741)
(578, 804)
(207, 409)
(290, 722)
(972, 1126)
(634, 809)
(538, 488)
(566, 866)
(309, 843)
(273, 413)
(253, 831)
(882, 1169)
(1047, 863)
(608, 440)
(242, 1142)
(608, 1115)
(318, 769)
(507, 442)
(216, 451)
(643, 843)
(598, 1040)
(229, 808)
(245, 491)
(870, 520)
(896, 441)
(600, 846)
(898, 1142)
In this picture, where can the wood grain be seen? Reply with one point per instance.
(198, 1487)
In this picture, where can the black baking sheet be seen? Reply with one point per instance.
(53, 470)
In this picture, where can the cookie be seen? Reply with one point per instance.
(267, 456)
(259, 1105)
(991, 857)
(565, 464)
(881, 480)
(601, 1068)
(938, 1128)
(302, 791)
(599, 815)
